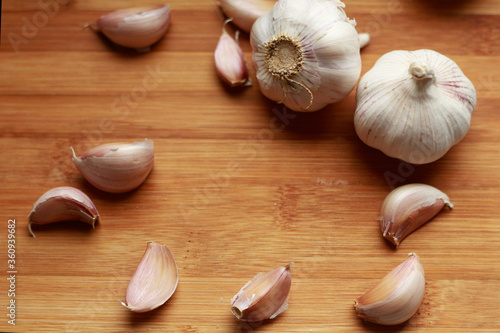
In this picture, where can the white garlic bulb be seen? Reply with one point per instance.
(306, 53)
(414, 105)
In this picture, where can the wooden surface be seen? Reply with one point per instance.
(230, 195)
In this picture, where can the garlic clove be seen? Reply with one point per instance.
(230, 61)
(63, 204)
(137, 28)
(364, 39)
(414, 105)
(154, 281)
(117, 167)
(407, 208)
(263, 297)
(397, 297)
(306, 54)
(245, 12)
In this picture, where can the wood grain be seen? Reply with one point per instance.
(231, 194)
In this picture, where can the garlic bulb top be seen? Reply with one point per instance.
(414, 105)
(306, 53)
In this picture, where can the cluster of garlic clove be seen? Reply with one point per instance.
(136, 28)
(306, 53)
(414, 106)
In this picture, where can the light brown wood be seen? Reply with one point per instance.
(230, 194)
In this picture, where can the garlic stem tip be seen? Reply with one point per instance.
(31, 231)
(74, 154)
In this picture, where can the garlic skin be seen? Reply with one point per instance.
(364, 39)
(230, 60)
(407, 208)
(63, 204)
(414, 105)
(117, 167)
(306, 53)
(263, 297)
(154, 281)
(137, 28)
(397, 297)
(245, 12)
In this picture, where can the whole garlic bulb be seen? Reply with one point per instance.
(306, 53)
(414, 105)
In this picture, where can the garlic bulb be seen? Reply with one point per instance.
(154, 281)
(306, 53)
(397, 297)
(407, 208)
(414, 106)
(137, 28)
(245, 12)
(263, 297)
(230, 61)
(63, 204)
(117, 167)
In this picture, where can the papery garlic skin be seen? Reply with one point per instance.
(397, 297)
(263, 297)
(136, 28)
(117, 167)
(63, 204)
(230, 60)
(407, 208)
(306, 53)
(414, 105)
(244, 13)
(154, 281)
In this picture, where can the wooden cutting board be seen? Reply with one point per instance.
(230, 195)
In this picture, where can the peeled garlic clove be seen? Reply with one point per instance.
(245, 12)
(397, 297)
(230, 61)
(263, 297)
(408, 207)
(306, 53)
(154, 281)
(117, 167)
(414, 106)
(136, 28)
(63, 204)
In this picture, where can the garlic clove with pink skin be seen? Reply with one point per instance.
(397, 297)
(408, 207)
(137, 28)
(117, 167)
(245, 12)
(230, 60)
(263, 297)
(63, 204)
(154, 281)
